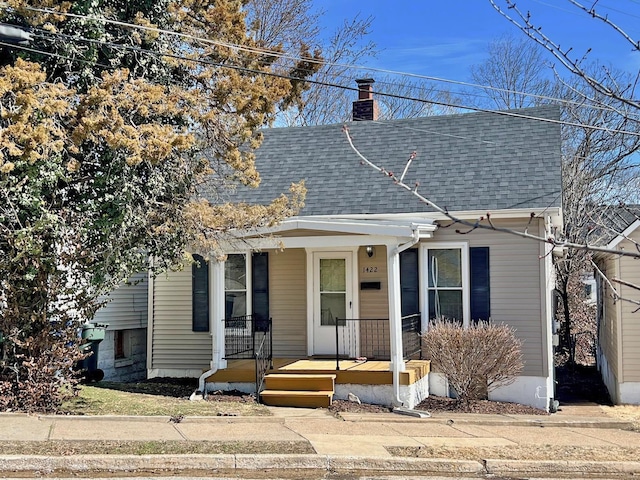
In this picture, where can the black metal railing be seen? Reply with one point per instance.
(412, 336)
(250, 338)
(264, 360)
(243, 333)
(370, 338)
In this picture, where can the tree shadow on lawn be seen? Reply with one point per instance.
(167, 387)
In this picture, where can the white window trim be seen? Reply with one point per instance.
(424, 278)
(249, 280)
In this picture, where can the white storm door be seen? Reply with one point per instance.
(333, 298)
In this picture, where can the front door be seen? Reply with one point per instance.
(333, 298)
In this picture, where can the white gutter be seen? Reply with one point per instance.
(395, 311)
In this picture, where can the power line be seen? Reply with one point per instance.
(335, 85)
(283, 55)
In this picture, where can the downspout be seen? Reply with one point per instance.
(216, 327)
(397, 315)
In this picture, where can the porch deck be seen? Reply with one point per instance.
(371, 372)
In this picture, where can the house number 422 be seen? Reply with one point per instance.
(369, 269)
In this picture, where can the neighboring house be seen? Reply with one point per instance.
(618, 320)
(370, 254)
(122, 354)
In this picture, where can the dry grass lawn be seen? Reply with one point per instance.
(629, 413)
(107, 400)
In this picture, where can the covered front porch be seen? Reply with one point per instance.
(336, 289)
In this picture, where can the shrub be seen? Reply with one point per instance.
(474, 360)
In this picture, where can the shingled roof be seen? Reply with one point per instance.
(470, 161)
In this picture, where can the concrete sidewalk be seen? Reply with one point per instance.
(355, 441)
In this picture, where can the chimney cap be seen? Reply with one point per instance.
(365, 81)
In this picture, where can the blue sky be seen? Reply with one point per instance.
(444, 38)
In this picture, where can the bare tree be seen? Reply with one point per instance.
(517, 74)
(516, 71)
(622, 93)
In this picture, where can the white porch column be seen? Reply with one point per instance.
(217, 309)
(395, 317)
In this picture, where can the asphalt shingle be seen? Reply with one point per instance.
(472, 161)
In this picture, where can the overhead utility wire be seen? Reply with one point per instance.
(277, 54)
(381, 122)
(353, 89)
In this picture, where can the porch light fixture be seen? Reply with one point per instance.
(370, 251)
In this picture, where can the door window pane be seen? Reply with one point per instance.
(333, 290)
(332, 305)
(332, 275)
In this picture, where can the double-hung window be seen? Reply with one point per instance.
(236, 280)
(447, 284)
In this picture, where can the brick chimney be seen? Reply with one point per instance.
(366, 107)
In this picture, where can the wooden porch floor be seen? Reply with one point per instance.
(370, 372)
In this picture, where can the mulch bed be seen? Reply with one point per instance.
(435, 404)
(444, 404)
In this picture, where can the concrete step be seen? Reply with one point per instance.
(297, 398)
(299, 381)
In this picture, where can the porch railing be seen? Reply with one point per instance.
(264, 360)
(370, 338)
(249, 338)
(411, 336)
(242, 334)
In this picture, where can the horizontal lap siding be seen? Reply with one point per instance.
(373, 303)
(630, 272)
(127, 307)
(288, 302)
(609, 324)
(516, 296)
(175, 345)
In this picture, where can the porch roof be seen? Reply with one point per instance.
(349, 231)
(401, 227)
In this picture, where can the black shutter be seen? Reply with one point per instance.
(409, 282)
(200, 294)
(480, 292)
(260, 290)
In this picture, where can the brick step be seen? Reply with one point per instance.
(299, 381)
(297, 398)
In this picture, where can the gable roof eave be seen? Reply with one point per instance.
(624, 235)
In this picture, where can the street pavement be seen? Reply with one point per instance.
(357, 442)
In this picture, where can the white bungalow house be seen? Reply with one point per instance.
(341, 292)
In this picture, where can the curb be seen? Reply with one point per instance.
(327, 463)
(561, 467)
(185, 463)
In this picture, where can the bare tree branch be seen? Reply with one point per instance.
(484, 222)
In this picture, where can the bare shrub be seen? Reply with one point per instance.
(474, 360)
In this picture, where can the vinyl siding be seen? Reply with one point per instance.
(609, 324)
(630, 334)
(515, 283)
(127, 305)
(288, 302)
(174, 344)
(374, 303)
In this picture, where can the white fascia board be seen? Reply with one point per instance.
(463, 214)
(328, 241)
(554, 213)
(627, 231)
(348, 225)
